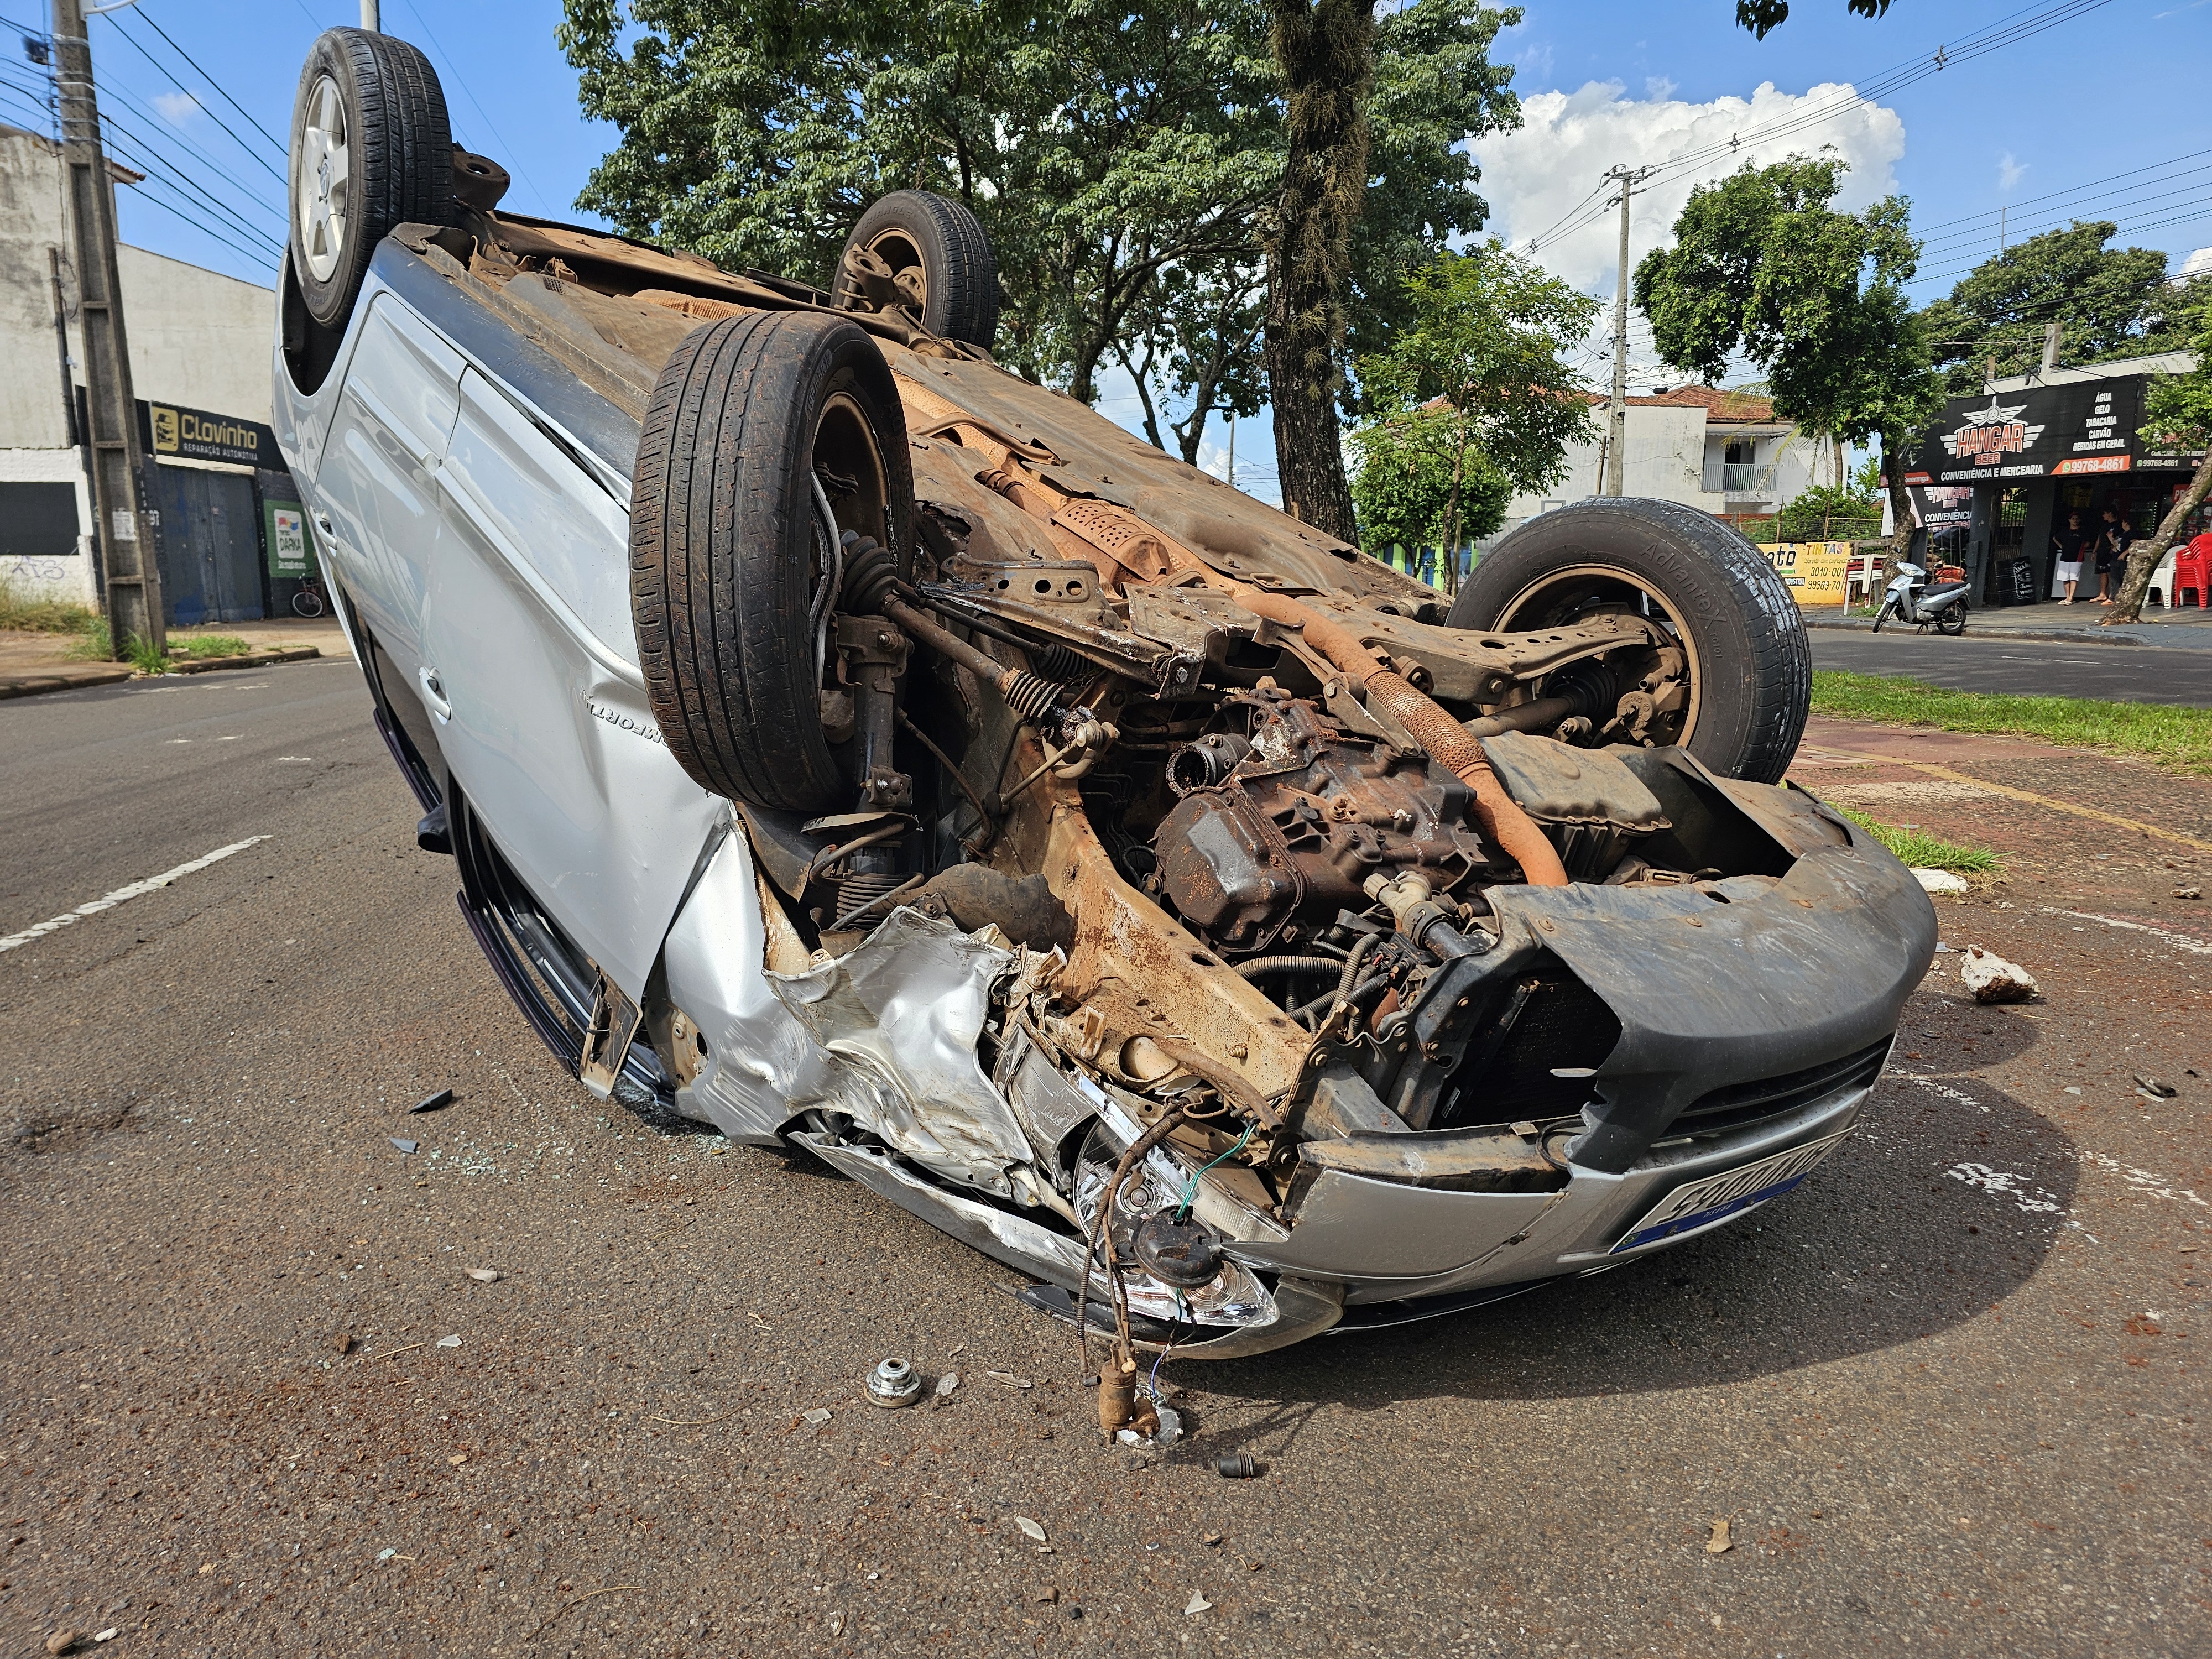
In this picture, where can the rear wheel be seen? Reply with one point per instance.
(372, 148)
(1749, 663)
(1953, 620)
(733, 570)
(925, 254)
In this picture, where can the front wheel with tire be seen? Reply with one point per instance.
(754, 423)
(1889, 610)
(1749, 664)
(372, 148)
(925, 254)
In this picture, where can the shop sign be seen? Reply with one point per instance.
(2080, 427)
(1813, 572)
(284, 533)
(172, 432)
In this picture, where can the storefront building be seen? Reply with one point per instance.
(1994, 481)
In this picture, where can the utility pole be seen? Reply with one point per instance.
(1617, 428)
(1232, 449)
(369, 18)
(119, 523)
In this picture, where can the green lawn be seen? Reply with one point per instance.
(1919, 850)
(2178, 738)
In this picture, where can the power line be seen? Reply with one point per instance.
(221, 172)
(2096, 208)
(283, 148)
(154, 201)
(129, 39)
(2029, 201)
(513, 156)
(125, 143)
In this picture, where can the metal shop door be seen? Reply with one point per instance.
(210, 543)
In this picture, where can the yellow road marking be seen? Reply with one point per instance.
(2034, 799)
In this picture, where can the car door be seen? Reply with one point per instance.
(377, 506)
(545, 728)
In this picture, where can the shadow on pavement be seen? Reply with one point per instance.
(1947, 1198)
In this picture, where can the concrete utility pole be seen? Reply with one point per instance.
(1618, 427)
(119, 522)
(369, 18)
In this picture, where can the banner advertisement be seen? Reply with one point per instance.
(2080, 427)
(284, 533)
(1815, 572)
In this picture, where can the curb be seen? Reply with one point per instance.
(2050, 635)
(32, 686)
(251, 660)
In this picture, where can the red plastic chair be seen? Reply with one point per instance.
(2193, 573)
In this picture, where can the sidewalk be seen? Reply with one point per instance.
(34, 663)
(2072, 624)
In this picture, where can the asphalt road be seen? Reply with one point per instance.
(1949, 1395)
(2123, 673)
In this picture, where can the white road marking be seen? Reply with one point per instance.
(2181, 941)
(136, 889)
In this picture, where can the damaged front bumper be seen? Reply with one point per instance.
(1755, 1014)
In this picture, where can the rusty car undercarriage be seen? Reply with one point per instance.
(1190, 916)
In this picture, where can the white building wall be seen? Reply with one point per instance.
(198, 339)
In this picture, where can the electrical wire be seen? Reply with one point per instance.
(283, 148)
(131, 40)
(513, 156)
(156, 201)
(1190, 1189)
(133, 147)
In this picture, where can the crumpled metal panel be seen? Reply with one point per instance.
(1555, 782)
(900, 1013)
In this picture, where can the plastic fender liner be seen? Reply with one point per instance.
(1709, 994)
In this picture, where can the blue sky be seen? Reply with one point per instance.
(2116, 89)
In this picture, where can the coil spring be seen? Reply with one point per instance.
(1030, 696)
(864, 888)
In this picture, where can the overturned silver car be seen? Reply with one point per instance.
(846, 744)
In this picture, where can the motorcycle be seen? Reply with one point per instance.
(1910, 599)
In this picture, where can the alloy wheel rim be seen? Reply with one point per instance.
(323, 186)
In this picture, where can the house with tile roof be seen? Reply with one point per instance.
(1726, 452)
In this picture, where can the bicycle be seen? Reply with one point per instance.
(309, 600)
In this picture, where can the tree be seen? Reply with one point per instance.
(2109, 302)
(1325, 51)
(1099, 147)
(1762, 16)
(1764, 265)
(1403, 484)
(2178, 411)
(1488, 339)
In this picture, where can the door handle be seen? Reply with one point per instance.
(434, 694)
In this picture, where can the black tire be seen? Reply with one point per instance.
(911, 229)
(725, 555)
(1889, 610)
(398, 163)
(1952, 621)
(1750, 663)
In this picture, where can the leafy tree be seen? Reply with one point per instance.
(2110, 302)
(1824, 512)
(2178, 409)
(1100, 147)
(1403, 483)
(1487, 340)
(1762, 16)
(1762, 264)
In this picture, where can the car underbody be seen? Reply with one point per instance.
(1206, 928)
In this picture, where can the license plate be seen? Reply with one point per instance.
(1701, 1204)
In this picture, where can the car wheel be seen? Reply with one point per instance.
(927, 254)
(1749, 663)
(372, 148)
(731, 569)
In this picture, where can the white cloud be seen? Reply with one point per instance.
(1658, 89)
(1535, 176)
(2010, 170)
(2198, 264)
(175, 106)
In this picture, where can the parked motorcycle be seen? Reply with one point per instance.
(1910, 599)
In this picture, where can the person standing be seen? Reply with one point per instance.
(2113, 545)
(2070, 543)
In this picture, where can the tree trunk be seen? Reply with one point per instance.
(1900, 506)
(2143, 560)
(1325, 50)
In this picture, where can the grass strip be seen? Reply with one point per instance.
(1918, 850)
(24, 614)
(2175, 737)
(197, 646)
